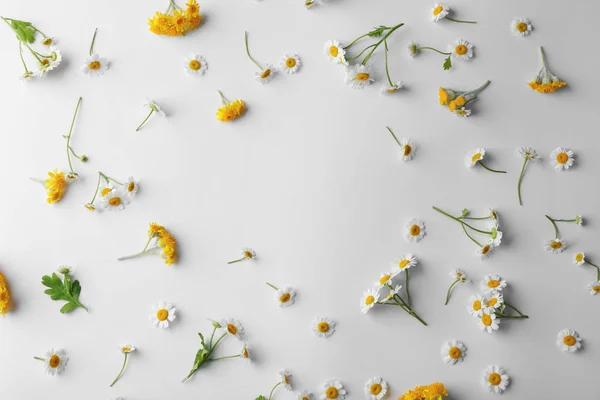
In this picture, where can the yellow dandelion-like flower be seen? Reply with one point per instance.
(230, 110)
(436, 391)
(56, 181)
(155, 229)
(181, 22)
(176, 21)
(5, 301)
(545, 81)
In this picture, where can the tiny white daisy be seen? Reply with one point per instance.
(487, 321)
(492, 283)
(454, 352)
(462, 112)
(494, 300)
(152, 105)
(131, 186)
(579, 258)
(323, 327)
(393, 88)
(290, 63)
(266, 75)
(568, 341)
(55, 361)
(308, 4)
(358, 76)
(562, 158)
(49, 41)
(474, 156)
(285, 378)
(495, 379)
(407, 149)
(161, 314)
(439, 12)
(49, 63)
(579, 220)
(115, 200)
(461, 50)
(386, 278)
(335, 52)
(528, 152)
(413, 48)
(476, 305)
(95, 65)
(460, 274)
(245, 353)
(415, 230)
(305, 395)
(405, 262)
(521, 26)
(494, 215)
(65, 269)
(369, 298)
(485, 251)
(232, 327)
(496, 236)
(333, 390)
(27, 76)
(285, 296)
(555, 246)
(126, 349)
(594, 288)
(195, 64)
(376, 388)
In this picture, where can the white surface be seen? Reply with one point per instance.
(311, 179)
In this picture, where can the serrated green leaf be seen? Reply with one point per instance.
(66, 291)
(378, 31)
(447, 63)
(261, 397)
(24, 30)
(68, 307)
(76, 290)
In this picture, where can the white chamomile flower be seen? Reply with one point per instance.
(460, 275)
(95, 65)
(232, 327)
(285, 296)
(285, 378)
(494, 300)
(494, 215)
(161, 314)
(461, 50)
(308, 4)
(49, 41)
(496, 236)
(462, 112)
(487, 321)
(386, 278)
(579, 258)
(528, 152)
(153, 106)
(407, 149)
(391, 88)
(115, 200)
(521, 26)
(358, 76)
(245, 353)
(439, 12)
(290, 63)
(579, 220)
(305, 395)
(369, 298)
(55, 361)
(492, 283)
(495, 379)
(65, 269)
(474, 156)
(476, 305)
(405, 262)
(126, 349)
(555, 246)
(485, 251)
(195, 64)
(454, 352)
(376, 388)
(323, 327)
(568, 341)
(265, 75)
(562, 158)
(392, 292)
(335, 52)
(413, 48)
(594, 288)
(333, 390)
(131, 186)
(27, 76)
(415, 230)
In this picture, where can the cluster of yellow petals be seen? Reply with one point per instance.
(546, 87)
(56, 184)
(178, 22)
(458, 102)
(4, 296)
(444, 96)
(166, 241)
(435, 391)
(231, 110)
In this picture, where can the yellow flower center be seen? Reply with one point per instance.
(115, 201)
(596, 289)
(569, 340)
(438, 10)
(45, 61)
(126, 349)
(579, 257)
(455, 353)
(248, 254)
(131, 187)
(285, 298)
(407, 150)
(522, 27)
(195, 65)
(90, 207)
(105, 191)
(494, 379)
(362, 76)
(460, 101)
(402, 264)
(333, 50)
(415, 230)
(384, 279)
(266, 73)
(286, 379)
(54, 361)
(47, 42)
(486, 320)
(458, 274)
(493, 283)
(476, 157)
(323, 327)
(245, 353)
(492, 302)
(331, 392)
(290, 62)
(94, 65)
(562, 158)
(305, 398)
(477, 305)
(485, 249)
(232, 329)
(392, 90)
(375, 389)
(369, 300)
(555, 245)
(461, 50)
(162, 314)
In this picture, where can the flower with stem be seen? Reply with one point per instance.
(125, 350)
(285, 297)
(407, 148)
(176, 21)
(284, 379)
(440, 12)
(545, 81)
(247, 254)
(95, 65)
(475, 157)
(528, 154)
(460, 49)
(460, 276)
(391, 87)
(154, 108)
(581, 259)
(160, 242)
(266, 74)
(456, 100)
(557, 245)
(230, 110)
(114, 199)
(55, 361)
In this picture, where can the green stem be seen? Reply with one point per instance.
(272, 390)
(554, 225)
(366, 59)
(394, 136)
(476, 219)
(144, 121)
(489, 169)
(97, 187)
(514, 308)
(69, 136)
(565, 220)
(37, 358)
(223, 99)
(34, 53)
(212, 337)
(223, 358)
(462, 222)
(108, 178)
(361, 53)
(500, 315)
(137, 254)
(449, 290)
(543, 56)
(471, 237)
(387, 71)
(411, 312)
(521, 179)
(356, 40)
(274, 287)
(37, 30)
(407, 288)
(122, 370)
(22, 59)
(461, 21)
(436, 50)
(236, 261)
(248, 51)
(93, 41)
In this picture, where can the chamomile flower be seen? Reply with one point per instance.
(286, 296)
(95, 65)
(494, 300)
(391, 88)
(555, 246)
(579, 220)
(115, 200)
(161, 314)
(335, 52)
(462, 112)
(55, 361)
(474, 157)
(439, 12)
(265, 75)
(415, 230)
(487, 321)
(245, 353)
(305, 395)
(369, 298)
(405, 262)
(232, 327)
(27, 76)
(290, 63)
(413, 48)
(285, 377)
(407, 150)
(50, 41)
(47, 64)
(308, 4)
(594, 288)
(393, 291)
(126, 349)
(454, 352)
(579, 258)
(323, 327)
(386, 278)
(333, 390)
(521, 26)
(545, 81)
(494, 215)
(562, 158)
(461, 50)
(131, 186)
(495, 379)
(358, 76)
(492, 283)
(376, 388)
(528, 153)
(247, 254)
(154, 108)
(65, 269)
(485, 251)
(460, 275)
(476, 305)
(194, 64)
(496, 236)
(568, 341)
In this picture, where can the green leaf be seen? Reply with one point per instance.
(447, 64)
(68, 307)
(66, 291)
(261, 397)
(76, 290)
(377, 32)
(24, 30)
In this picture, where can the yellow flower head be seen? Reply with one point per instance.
(4, 296)
(446, 95)
(231, 110)
(545, 81)
(155, 229)
(177, 21)
(56, 181)
(436, 391)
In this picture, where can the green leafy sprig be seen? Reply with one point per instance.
(377, 32)
(67, 290)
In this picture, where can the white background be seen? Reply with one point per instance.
(311, 179)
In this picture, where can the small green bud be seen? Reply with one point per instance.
(464, 212)
(83, 158)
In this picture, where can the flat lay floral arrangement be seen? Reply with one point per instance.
(488, 298)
